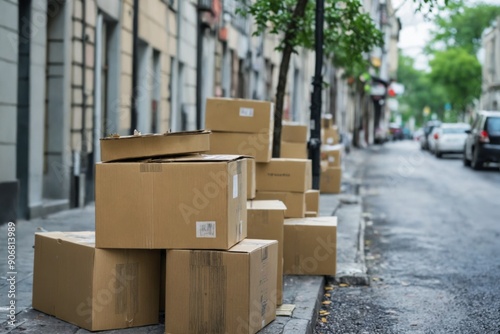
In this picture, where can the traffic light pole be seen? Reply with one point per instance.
(314, 144)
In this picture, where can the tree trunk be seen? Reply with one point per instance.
(299, 11)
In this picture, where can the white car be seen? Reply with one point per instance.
(448, 138)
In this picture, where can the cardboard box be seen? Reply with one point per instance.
(257, 145)
(265, 221)
(154, 145)
(294, 133)
(282, 174)
(312, 200)
(326, 121)
(310, 246)
(295, 202)
(251, 182)
(330, 136)
(163, 275)
(196, 202)
(294, 150)
(310, 214)
(331, 180)
(332, 154)
(96, 289)
(222, 291)
(239, 115)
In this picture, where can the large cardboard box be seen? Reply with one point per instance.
(222, 291)
(96, 289)
(312, 200)
(258, 145)
(293, 150)
(282, 174)
(310, 246)
(294, 133)
(196, 202)
(332, 154)
(331, 180)
(295, 202)
(265, 221)
(251, 182)
(154, 145)
(326, 121)
(239, 115)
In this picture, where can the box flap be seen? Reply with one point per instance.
(265, 205)
(199, 158)
(85, 238)
(250, 245)
(167, 134)
(318, 221)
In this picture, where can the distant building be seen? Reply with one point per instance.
(490, 95)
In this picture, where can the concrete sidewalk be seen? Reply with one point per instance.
(304, 291)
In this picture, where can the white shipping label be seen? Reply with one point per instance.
(205, 230)
(235, 185)
(329, 141)
(331, 159)
(246, 112)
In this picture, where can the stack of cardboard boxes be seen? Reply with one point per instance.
(294, 141)
(151, 195)
(331, 155)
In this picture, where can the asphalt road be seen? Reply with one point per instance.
(432, 248)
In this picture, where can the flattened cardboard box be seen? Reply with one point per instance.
(154, 145)
(251, 182)
(295, 202)
(330, 180)
(293, 150)
(312, 200)
(239, 115)
(96, 289)
(221, 291)
(310, 246)
(265, 221)
(196, 202)
(294, 133)
(282, 174)
(257, 145)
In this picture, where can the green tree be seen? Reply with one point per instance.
(420, 91)
(461, 25)
(459, 73)
(349, 32)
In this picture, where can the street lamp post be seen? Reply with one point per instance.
(314, 144)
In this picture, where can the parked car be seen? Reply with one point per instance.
(395, 131)
(483, 140)
(417, 134)
(448, 138)
(424, 139)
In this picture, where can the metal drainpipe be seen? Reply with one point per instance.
(83, 153)
(135, 32)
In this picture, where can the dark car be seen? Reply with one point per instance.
(483, 140)
(424, 139)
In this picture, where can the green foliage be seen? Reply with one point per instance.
(420, 91)
(348, 32)
(461, 26)
(459, 73)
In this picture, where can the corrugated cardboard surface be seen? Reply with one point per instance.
(239, 115)
(326, 120)
(95, 289)
(282, 174)
(196, 202)
(154, 145)
(332, 154)
(293, 150)
(312, 200)
(251, 181)
(331, 180)
(257, 145)
(311, 214)
(265, 221)
(330, 136)
(295, 202)
(294, 133)
(221, 291)
(310, 246)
